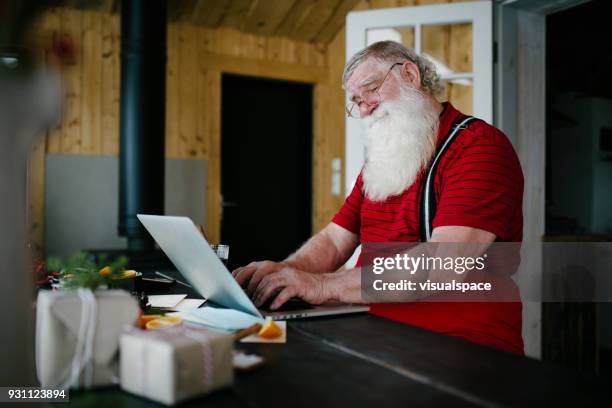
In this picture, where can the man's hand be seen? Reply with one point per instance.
(254, 272)
(326, 251)
(288, 283)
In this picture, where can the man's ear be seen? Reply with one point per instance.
(409, 72)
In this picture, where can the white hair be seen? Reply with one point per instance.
(390, 52)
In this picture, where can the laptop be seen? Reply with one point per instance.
(192, 255)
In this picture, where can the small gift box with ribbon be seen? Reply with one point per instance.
(77, 336)
(175, 363)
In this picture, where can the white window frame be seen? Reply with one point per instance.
(479, 14)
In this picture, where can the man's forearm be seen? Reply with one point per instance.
(318, 255)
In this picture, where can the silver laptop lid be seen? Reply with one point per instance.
(189, 251)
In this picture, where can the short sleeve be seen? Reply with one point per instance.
(481, 185)
(349, 215)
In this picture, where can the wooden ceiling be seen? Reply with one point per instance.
(316, 21)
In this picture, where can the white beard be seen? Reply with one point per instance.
(400, 138)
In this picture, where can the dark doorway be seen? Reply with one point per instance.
(266, 167)
(578, 172)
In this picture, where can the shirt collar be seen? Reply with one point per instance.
(447, 117)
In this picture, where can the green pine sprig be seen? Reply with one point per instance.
(80, 271)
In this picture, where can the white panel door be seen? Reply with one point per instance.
(419, 28)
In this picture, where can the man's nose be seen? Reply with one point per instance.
(366, 109)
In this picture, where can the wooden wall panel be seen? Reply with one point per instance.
(70, 140)
(91, 82)
(91, 85)
(51, 23)
(173, 69)
(213, 187)
(205, 99)
(329, 127)
(188, 56)
(109, 110)
(197, 57)
(35, 196)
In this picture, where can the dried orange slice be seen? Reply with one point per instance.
(163, 322)
(270, 330)
(144, 319)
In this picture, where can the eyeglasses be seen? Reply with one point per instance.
(369, 96)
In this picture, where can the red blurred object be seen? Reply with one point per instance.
(63, 49)
(42, 277)
(39, 268)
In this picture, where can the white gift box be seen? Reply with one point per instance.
(176, 363)
(77, 336)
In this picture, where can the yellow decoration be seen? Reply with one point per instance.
(105, 271)
(129, 274)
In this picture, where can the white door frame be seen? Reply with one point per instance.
(520, 111)
(521, 114)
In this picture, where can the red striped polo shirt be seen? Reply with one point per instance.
(478, 183)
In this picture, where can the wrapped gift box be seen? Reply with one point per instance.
(174, 364)
(77, 336)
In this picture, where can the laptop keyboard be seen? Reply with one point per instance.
(289, 306)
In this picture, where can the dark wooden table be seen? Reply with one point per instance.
(361, 360)
(366, 361)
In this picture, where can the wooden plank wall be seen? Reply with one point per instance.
(329, 124)
(197, 56)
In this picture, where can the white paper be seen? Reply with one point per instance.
(243, 361)
(169, 301)
(254, 338)
(188, 304)
(224, 319)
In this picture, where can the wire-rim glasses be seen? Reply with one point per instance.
(370, 96)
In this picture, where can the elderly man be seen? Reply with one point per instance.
(478, 188)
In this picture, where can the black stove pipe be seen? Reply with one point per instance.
(142, 117)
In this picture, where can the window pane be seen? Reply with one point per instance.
(404, 35)
(449, 47)
(459, 93)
